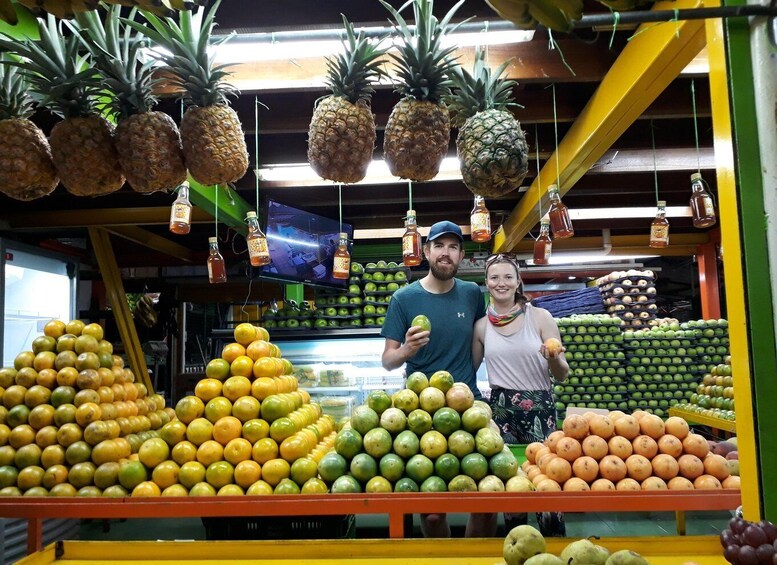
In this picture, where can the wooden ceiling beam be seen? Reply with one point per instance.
(84, 218)
(154, 242)
(645, 68)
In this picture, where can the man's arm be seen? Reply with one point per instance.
(477, 343)
(395, 353)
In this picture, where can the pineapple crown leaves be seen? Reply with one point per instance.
(482, 90)
(350, 74)
(60, 77)
(423, 64)
(117, 55)
(15, 101)
(187, 59)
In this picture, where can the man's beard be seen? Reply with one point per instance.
(443, 273)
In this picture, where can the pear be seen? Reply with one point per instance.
(544, 559)
(583, 552)
(626, 557)
(602, 554)
(522, 543)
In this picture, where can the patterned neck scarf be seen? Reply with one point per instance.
(504, 319)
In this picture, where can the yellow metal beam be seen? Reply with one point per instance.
(159, 215)
(101, 242)
(153, 241)
(730, 239)
(650, 62)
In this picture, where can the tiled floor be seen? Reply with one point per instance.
(578, 526)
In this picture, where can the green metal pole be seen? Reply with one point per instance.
(753, 225)
(232, 207)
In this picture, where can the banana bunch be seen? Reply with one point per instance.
(66, 9)
(556, 15)
(144, 311)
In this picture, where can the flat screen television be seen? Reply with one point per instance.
(302, 245)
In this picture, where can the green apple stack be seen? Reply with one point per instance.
(430, 437)
(381, 280)
(630, 296)
(290, 317)
(597, 378)
(663, 366)
(715, 395)
(341, 308)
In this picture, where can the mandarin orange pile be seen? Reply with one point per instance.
(625, 452)
(74, 422)
(70, 412)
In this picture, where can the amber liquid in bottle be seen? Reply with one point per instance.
(702, 207)
(659, 228)
(560, 222)
(411, 242)
(258, 252)
(543, 245)
(342, 259)
(181, 212)
(217, 270)
(480, 221)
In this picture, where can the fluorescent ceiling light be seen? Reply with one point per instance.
(632, 212)
(576, 258)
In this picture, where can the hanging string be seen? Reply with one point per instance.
(340, 204)
(695, 127)
(410, 194)
(655, 166)
(256, 150)
(182, 109)
(216, 214)
(616, 18)
(675, 19)
(539, 172)
(555, 130)
(553, 44)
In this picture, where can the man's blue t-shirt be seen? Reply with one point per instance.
(452, 316)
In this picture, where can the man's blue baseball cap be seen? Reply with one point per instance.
(444, 228)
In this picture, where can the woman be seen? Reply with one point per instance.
(511, 339)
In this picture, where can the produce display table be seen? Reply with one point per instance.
(702, 420)
(396, 505)
(704, 550)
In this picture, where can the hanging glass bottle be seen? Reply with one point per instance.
(702, 207)
(181, 212)
(543, 245)
(257, 242)
(480, 221)
(411, 241)
(560, 222)
(342, 259)
(217, 270)
(659, 228)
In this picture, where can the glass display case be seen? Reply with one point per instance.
(340, 373)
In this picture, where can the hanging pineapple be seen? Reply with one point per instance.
(492, 150)
(214, 146)
(148, 142)
(62, 80)
(341, 137)
(26, 170)
(418, 129)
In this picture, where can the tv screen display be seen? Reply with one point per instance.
(302, 245)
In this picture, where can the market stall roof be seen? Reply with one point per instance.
(620, 176)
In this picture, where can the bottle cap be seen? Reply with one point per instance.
(552, 188)
(343, 235)
(411, 212)
(695, 176)
(213, 240)
(661, 203)
(250, 215)
(545, 219)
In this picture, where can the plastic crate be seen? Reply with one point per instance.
(280, 527)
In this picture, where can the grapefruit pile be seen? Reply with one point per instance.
(431, 437)
(625, 452)
(70, 412)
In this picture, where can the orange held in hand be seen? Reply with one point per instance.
(553, 346)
